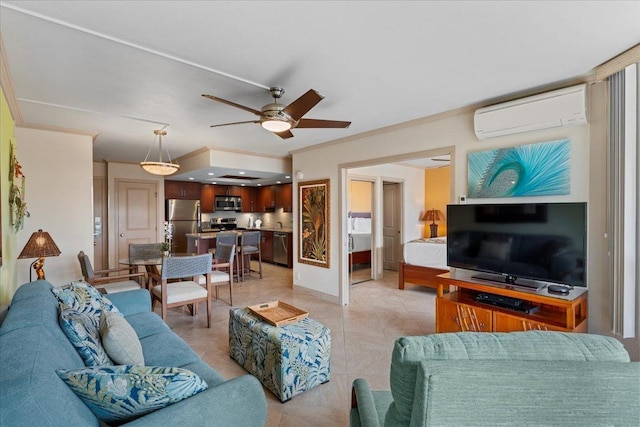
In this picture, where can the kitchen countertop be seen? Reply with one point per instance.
(213, 234)
(278, 229)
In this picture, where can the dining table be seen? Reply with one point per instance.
(152, 265)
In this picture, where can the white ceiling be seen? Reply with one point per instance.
(119, 70)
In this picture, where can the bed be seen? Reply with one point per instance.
(424, 259)
(359, 229)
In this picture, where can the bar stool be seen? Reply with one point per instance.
(249, 245)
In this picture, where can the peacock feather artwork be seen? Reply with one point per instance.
(540, 169)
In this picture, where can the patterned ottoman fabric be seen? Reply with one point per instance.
(287, 360)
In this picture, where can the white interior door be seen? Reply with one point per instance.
(136, 217)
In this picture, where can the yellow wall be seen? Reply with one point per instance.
(437, 190)
(8, 236)
(361, 195)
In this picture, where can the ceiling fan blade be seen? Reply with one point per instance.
(284, 134)
(302, 105)
(233, 104)
(317, 123)
(235, 123)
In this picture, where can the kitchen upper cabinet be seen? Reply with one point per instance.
(227, 190)
(267, 198)
(182, 190)
(249, 199)
(285, 197)
(207, 195)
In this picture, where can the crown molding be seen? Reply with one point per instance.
(620, 62)
(6, 82)
(57, 129)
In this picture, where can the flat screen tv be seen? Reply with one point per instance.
(520, 244)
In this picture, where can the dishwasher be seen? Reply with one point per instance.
(280, 249)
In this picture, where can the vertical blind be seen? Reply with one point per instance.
(623, 200)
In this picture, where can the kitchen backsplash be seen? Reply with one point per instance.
(269, 219)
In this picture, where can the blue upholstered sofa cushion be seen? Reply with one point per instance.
(408, 352)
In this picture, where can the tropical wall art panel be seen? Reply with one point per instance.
(313, 241)
(541, 169)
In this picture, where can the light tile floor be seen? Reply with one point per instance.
(362, 337)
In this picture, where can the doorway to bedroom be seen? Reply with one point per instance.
(359, 229)
(414, 191)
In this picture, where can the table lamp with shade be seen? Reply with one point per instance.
(40, 245)
(433, 215)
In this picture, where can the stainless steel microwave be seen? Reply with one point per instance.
(228, 203)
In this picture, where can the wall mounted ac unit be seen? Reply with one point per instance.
(562, 107)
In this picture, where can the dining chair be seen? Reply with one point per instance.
(250, 245)
(229, 238)
(142, 251)
(112, 280)
(223, 259)
(183, 292)
(145, 250)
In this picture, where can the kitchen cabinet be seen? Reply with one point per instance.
(249, 199)
(267, 198)
(266, 245)
(207, 196)
(182, 190)
(285, 197)
(460, 312)
(227, 190)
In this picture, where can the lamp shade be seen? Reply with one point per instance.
(432, 215)
(40, 245)
(160, 167)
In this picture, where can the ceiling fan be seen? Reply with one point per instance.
(279, 118)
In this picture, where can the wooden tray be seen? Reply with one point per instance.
(278, 313)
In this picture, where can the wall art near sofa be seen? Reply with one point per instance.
(313, 206)
(17, 206)
(541, 169)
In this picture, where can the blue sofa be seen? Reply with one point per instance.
(491, 379)
(33, 347)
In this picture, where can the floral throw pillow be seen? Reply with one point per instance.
(84, 335)
(83, 297)
(117, 394)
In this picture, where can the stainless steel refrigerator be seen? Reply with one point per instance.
(183, 217)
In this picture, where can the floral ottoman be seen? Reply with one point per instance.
(287, 359)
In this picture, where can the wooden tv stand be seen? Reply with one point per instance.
(459, 311)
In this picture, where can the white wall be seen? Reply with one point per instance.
(325, 161)
(58, 170)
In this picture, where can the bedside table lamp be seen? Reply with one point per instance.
(40, 245)
(433, 215)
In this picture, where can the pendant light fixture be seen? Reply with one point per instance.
(159, 167)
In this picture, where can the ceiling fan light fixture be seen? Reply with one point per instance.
(275, 125)
(159, 168)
